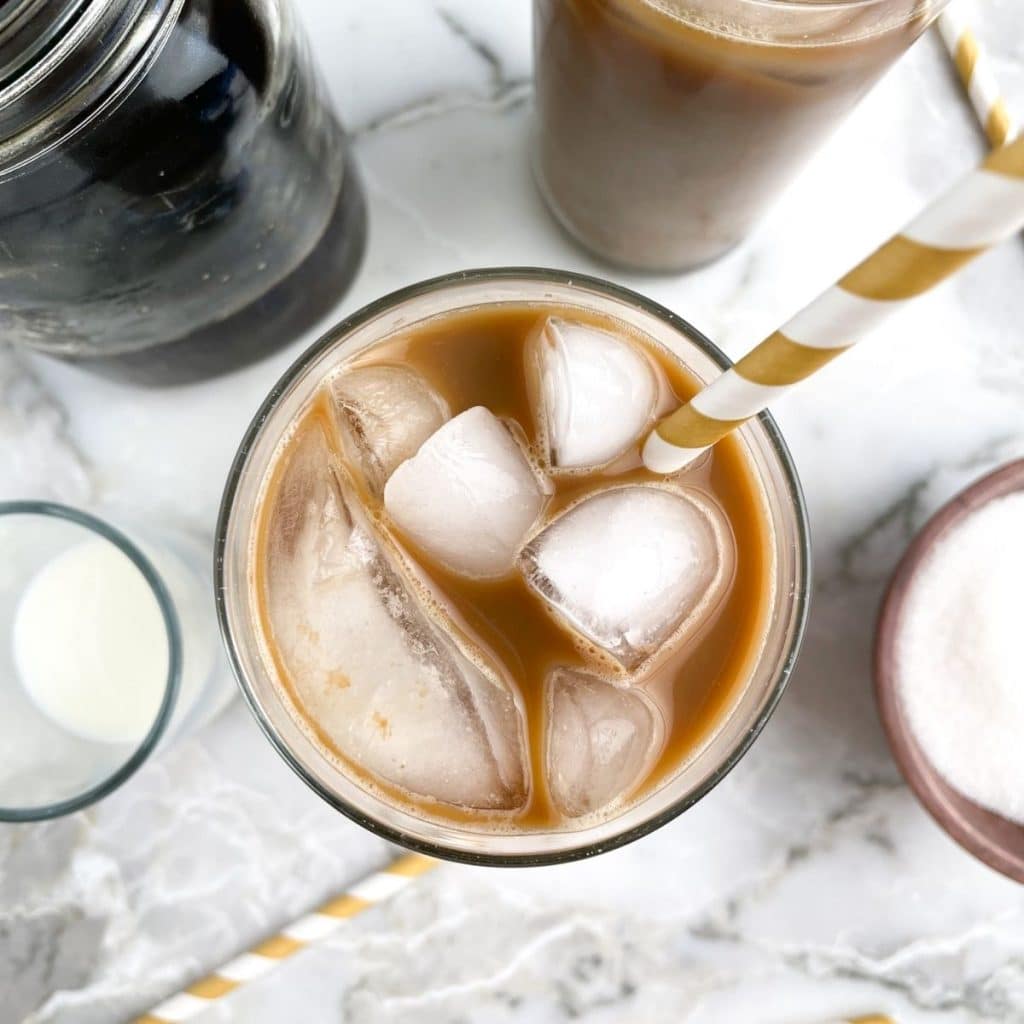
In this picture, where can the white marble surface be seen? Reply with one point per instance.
(809, 885)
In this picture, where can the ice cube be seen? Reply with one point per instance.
(597, 394)
(387, 689)
(632, 567)
(385, 414)
(601, 740)
(468, 497)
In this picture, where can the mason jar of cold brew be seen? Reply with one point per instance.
(176, 197)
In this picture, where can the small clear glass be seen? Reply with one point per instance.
(54, 758)
(233, 570)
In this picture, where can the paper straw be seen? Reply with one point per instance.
(974, 67)
(871, 1018)
(306, 931)
(983, 209)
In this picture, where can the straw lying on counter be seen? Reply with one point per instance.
(310, 930)
(974, 68)
(984, 208)
(307, 931)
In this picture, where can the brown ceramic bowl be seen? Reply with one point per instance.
(991, 838)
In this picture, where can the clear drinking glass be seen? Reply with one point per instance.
(783, 504)
(64, 746)
(665, 127)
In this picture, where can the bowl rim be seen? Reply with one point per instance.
(923, 779)
(332, 336)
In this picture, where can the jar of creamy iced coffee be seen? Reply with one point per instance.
(667, 126)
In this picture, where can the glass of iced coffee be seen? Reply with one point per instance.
(459, 605)
(665, 127)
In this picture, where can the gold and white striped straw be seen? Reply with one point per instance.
(871, 1018)
(307, 931)
(974, 68)
(984, 208)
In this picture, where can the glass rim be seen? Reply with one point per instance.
(805, 8)
(90, 55)
(107, 785)
(333, 336)
(817, 5)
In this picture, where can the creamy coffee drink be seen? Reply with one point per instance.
(472, 597)
(667, 126)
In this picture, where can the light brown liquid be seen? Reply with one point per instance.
(476, 358)
(665, 129)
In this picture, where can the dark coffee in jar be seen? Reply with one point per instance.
(175, 199)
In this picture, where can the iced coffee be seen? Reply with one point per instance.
(458, 592)
(665, 127)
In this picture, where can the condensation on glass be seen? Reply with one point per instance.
(175, 194)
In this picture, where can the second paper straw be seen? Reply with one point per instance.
(308, 930)
(973, 65)
(984, 208)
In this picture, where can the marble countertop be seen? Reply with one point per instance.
(809, 885)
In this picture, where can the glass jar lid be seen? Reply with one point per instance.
(28, 28)
(60, 58)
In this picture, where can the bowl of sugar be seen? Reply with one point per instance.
(949, 668)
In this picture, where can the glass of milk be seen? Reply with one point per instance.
(108, 648)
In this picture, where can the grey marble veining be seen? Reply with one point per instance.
(809, 885)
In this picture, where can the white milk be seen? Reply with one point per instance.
(90, 644)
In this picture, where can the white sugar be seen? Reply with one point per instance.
(961, 656)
